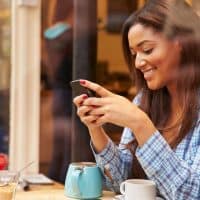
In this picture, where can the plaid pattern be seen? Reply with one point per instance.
(176, 172)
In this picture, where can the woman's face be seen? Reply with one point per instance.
(155, 56)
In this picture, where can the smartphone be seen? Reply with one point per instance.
(78, 89)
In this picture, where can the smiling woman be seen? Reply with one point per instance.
(156, 57)
(161, 48)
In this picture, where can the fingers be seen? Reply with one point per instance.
(83, 110)
(84, 113)
(100, 120)
(99, 111)
(79, 99)
(89, 119)
(101, 91)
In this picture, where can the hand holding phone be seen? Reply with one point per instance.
(78, 89)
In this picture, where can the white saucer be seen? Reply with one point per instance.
(121, 197)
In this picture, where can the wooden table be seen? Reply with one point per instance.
(51, 192)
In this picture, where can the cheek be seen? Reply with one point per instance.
(157, 59)
(165, 59)
(167, 72)
(164, 69)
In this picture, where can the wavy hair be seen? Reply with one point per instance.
(176, 20)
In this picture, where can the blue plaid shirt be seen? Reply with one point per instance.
(176, 172)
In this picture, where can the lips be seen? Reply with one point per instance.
(148, 73)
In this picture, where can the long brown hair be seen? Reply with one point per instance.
(171, 18)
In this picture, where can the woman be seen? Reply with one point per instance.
(161, 139)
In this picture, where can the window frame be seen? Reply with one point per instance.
(24, 86)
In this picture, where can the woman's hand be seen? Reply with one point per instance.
(98, 135)
(108, 107)
(83, 112)
(112, 108)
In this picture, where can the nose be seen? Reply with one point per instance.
(139, 62)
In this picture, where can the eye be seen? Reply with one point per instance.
(148, 51)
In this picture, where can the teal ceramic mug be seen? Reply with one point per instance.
(83, 181)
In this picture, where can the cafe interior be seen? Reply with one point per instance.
(44, 44)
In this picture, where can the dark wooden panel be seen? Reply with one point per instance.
(84, 60)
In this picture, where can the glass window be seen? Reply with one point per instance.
(5, 39)
(58, 18)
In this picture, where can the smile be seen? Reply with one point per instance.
(148, 73)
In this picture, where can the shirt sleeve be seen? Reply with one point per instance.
(174, 177)
(117, 160)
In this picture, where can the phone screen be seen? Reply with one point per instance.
(78, 89)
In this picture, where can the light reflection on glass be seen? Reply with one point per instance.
(5, 39)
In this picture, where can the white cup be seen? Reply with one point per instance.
(138, 189)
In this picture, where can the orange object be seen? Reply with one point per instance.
(3, 161)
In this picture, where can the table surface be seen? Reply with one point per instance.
(51, 192)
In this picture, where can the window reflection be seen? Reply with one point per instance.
(5, 73)
(111, 72)
(56, 96)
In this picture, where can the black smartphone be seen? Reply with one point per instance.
(78, 89)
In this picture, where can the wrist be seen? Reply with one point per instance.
(93, 128)
(143, 128)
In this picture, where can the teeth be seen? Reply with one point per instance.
(151, 70)
(148, 73)
(148, 70)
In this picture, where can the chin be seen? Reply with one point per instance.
(152, 86)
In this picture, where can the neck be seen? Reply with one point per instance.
(175, 99)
